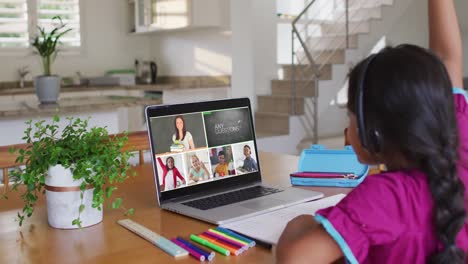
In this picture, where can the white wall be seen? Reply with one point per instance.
(253, 25)
(106, 44)
(265, 45)
(465, 55)
(417, 33)
(412, 27)
(462, 7)
(195, 52)
(244, 47)
(192, 52)
(243, 65)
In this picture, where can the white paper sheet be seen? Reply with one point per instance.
(269, 226)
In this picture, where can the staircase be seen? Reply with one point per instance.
(272, 116)
(328, 30)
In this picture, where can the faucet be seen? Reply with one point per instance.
(22, 73)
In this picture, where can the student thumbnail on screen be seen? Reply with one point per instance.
(245, 157)
(198, 167)
(171, 172)
(222, 163)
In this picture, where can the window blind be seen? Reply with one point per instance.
(69, 11)
(14, 23)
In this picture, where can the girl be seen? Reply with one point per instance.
(403, 114)
(181, 134)
(170, 174)
(198, 170)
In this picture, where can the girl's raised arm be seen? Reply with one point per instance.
(445, 39)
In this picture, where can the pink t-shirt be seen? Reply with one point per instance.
(388, 218)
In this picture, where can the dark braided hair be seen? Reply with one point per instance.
(408, 98)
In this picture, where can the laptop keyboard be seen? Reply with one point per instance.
(231, 197)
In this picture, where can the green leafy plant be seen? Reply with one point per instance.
(46, 43)
(91, 154)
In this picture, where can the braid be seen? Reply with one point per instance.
(448, 194)
(408, 99)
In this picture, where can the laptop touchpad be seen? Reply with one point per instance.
(260, 204)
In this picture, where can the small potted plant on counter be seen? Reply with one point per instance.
(46, 45)
(77, 169)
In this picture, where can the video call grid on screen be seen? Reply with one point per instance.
(227, 130)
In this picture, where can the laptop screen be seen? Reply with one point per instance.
(202, 147)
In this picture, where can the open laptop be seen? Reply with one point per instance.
(206, 164)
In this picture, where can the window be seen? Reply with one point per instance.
(19, 20)
(68, 10)
(13, 23)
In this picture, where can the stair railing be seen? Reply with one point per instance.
(307, 66)
(316, 71)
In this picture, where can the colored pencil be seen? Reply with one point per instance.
(230, 237)
(233, 234)
(226, 240)
(192, 252)
(209, 255)
(210, 245)
(234, 250)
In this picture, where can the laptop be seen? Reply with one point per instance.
(206, 165)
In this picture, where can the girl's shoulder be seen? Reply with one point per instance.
(461, 107)
(394, 179)
(391, 176)
(393, 188)
(461, 102)
(389, 194)
(378, 211)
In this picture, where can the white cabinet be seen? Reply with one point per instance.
(162, 15)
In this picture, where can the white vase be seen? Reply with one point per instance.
(63, 200)
(47, 88)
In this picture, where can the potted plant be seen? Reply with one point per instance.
(77, 169)
(46, 45)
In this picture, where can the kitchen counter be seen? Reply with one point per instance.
(165, 83)
(67, 89)
(119, 108)
(66, 106)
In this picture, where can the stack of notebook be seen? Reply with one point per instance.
(177, 147)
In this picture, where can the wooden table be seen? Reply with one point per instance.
(107, 242)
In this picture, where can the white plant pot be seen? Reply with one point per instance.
(63, 200)
(47, 88)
